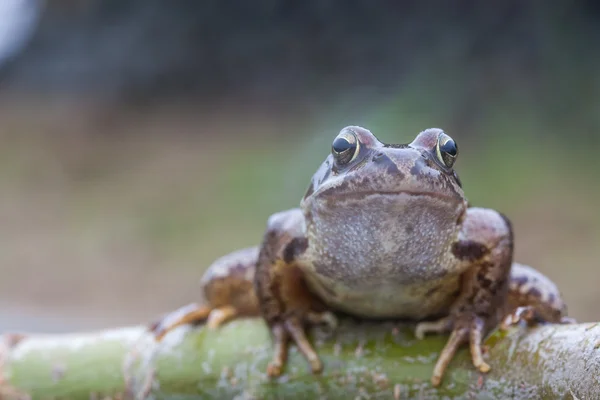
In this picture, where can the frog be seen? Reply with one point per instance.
(384, 231)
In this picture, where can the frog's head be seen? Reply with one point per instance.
(361, 166)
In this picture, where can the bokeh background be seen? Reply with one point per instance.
(142, 139)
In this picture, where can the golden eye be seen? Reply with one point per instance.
(446, 150)
(345, 148)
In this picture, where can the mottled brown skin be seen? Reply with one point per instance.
(384, 231)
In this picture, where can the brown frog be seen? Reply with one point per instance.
(384, 231)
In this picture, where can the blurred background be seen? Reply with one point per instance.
(142, 139)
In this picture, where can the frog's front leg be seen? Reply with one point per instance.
(285, 301)
(485, 250)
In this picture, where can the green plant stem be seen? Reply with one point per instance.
(362, 360)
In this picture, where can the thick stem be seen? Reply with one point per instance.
(363, 360)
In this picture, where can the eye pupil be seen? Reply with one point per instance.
(341, 145)
(344, 148)
(449, 148)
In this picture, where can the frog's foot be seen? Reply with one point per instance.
(193, 314)
(461, 333)
(533, 298)
(295, 328)
(469, 330)
(529, 315)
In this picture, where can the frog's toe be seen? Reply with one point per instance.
(297, 332)
(291, 328)
(476, 332)
(191, 313)
(274, 369)
(280, 342)
(526, 314)
(440, 326)
(471, 332)
(568, 320)
(457, 338)
(219, 316)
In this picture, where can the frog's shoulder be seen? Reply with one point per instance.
(290, 221)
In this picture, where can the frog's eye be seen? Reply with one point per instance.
(446, 150)
(345, 147)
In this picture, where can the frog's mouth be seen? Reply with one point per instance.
(391, 193)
